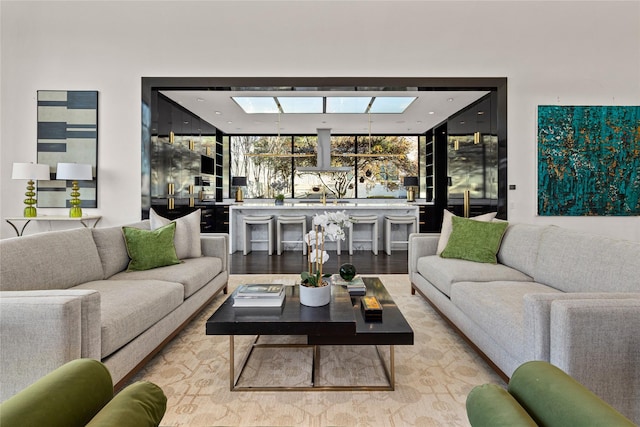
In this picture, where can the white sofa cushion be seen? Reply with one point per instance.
(55, 260)
(112, 247)
(443, 272)
(193, 273)
(187, 237)
(497, 307)
(519, 247)
(578, 262)
(129, 307)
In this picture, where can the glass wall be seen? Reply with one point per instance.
(377, 166)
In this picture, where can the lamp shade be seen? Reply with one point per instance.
(410, 181)
(239, 181)
(74, 171)
(30, 171)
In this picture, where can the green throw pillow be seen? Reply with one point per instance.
(475, 240)
(150, 248)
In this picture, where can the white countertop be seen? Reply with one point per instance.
(310, 208)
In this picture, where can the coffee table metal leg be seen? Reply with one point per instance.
(315, 369)
(232, 377)
(389, 370)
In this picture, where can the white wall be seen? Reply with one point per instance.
(566, 53)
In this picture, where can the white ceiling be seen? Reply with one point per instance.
(428, 110)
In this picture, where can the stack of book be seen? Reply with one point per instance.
(355, 286)
(259, 295)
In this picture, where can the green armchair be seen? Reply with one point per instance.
(540, 394)
(80, 393)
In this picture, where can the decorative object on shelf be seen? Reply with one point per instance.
(371, 308)
(279, 199)
(355, 286)
(328, 225)
(74, 172)
(411, 182)
(31, 172)
(347, 272)
(67, 132)
(239, 182)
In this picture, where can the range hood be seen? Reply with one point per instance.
(324, 155)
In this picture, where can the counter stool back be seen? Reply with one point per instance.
(248, 221)
(390, 220)
(371, 220)
(299, 220)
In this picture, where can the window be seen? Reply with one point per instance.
(335, 185)
(266, 163)
(383, 161)
(377, 165)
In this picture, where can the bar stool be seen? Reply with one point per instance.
(366, 220)
(291, 220)
(248, 221)
(390, 220)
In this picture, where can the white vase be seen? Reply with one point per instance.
(312, 296)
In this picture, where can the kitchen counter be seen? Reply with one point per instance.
(311, 208)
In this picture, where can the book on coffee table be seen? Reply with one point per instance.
(260, 290)
(259, 295)
(355, 286)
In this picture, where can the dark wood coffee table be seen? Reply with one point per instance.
(341, 322)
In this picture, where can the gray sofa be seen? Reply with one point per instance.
(66, 295)
(568, 298)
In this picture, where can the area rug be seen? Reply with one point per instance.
(433, 377)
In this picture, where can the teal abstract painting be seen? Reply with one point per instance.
(588, 160)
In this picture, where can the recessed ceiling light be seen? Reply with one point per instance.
(432, 112)
(480, 113)
(218, 112)
(200, 99)
(229, 122)
(450, 99)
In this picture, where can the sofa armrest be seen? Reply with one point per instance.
(38, 335)
(216, 245)
(596, 341)
(68, 396)
(553, 398)
(537, 318)
(489, 405)
(421, 244)
(140, 404)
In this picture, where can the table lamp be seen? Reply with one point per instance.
(239, 182)
(74, 172)
(411, 182)
(30, 171)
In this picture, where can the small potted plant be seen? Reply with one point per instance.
(314, 289)
(279, 199)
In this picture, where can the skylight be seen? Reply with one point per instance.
(300, 104)
(257, 104)
(391, 104)
(347, 104)
(327, 104)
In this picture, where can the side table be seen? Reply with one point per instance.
(84, 220)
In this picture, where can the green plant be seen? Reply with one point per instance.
(280, 197)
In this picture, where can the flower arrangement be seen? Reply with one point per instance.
(328, 225)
